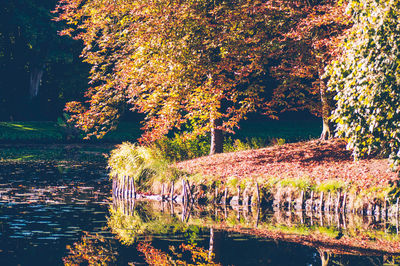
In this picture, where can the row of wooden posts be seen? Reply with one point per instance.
(336, 202)
(124, 188)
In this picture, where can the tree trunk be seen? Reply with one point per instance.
(35, 78)
(327, 125)
(325, 257)
(216, 238)
(217, 137)
(327, 129)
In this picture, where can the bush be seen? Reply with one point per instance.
(177, 149)
(145, 165)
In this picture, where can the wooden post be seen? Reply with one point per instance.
(183, 194)
(215, 195)
(321, 201)
(238, 191)
(162, 192)
(114, 184)
(329, 201)
(189, 192)
(245, 201)
(129, 187)
(258, 193)
(225, 194)
(133, 188)
(126, 186)
(385, 213)
(337, 202)
(172, 191)
(344, 201)
(312, 200)
(302, 200)
(123, 187)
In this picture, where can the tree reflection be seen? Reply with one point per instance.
(91, 250)
(187, 254)
(144, 220)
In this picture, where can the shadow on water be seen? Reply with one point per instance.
(56, 214)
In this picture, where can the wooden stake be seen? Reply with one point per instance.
(133, 188)
(337, 202)
(329, 201)
(189, 192)
(172, 191)
(344, 201)
(312, 200)
(238, 191)
(183, 194)
(302, 200)
(215, 195)
(225, 194)
(321, 202)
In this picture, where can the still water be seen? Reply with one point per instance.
(51, 215)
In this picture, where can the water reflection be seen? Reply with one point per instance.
(327, 238)
(45, 210)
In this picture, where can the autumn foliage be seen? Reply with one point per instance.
(188, 64)
(196, 255)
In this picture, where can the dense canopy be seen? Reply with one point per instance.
(198, 65)
(366, 80)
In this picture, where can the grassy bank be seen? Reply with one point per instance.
(58, 132)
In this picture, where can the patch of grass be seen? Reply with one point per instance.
(51, 132)
(30, 131)
(297, 183)
(331, 185)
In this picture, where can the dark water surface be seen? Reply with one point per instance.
(45, 208)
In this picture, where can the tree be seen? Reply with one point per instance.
(200, 66)
(190, 65)
(366, 80)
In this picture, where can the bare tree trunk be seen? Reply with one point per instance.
(325, 257)
(217, 137)
(35, 78)
(327, 125)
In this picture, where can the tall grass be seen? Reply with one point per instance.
(145, 165)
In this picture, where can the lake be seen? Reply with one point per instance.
(56, 214)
